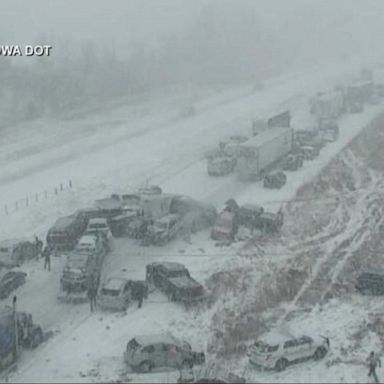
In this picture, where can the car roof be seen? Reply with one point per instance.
(87, 239)
(97, 220)
(274, 338)
(165, 338)
(170, 266)
(184, 282)
(115, 283)
(167, 218)
(278, 337)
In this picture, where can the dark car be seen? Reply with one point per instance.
(174, 280)
(248, 214)
(371, 282)
(292, 162)
(275, 180)
(10, 280)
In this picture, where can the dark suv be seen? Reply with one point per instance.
(371, 281)
(174, 280)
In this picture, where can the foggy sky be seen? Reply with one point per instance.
(127, 21)
(222, 33)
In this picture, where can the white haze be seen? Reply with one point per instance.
(107, 49)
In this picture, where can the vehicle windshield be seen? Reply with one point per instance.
(161, 225)
(264, 347)
(110, 292)
(78, 262)
(97, 226)
(178, 273)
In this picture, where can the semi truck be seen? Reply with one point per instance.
(327, 105)
(260, 153)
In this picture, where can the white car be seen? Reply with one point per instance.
(90, 244)
(275, 351)
(100, 225)
(115, 294)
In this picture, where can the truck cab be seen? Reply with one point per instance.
(164, 229)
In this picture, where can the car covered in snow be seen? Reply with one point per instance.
(91, 243)
(10, 280)
(100, 227)
(79, 270)
(371, 281)
(174, 280)
(97, 225)
(220, 165)
(115, 294)
(275, 180)
(143, 353)
(14, 252)
(276, 351)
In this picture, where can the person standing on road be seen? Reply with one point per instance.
(39, 247)
(373, 362)
(92, 293)
(138, 293)
(47, 258)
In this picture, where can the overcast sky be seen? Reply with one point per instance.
(331, 24)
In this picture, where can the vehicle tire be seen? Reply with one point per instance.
(145, 366)
(186, 364)
(281, 364)
(319, 353)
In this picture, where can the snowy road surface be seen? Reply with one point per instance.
(168, 153)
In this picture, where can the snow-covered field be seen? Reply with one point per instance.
(124, 148)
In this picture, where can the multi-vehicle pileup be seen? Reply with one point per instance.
(152, 218)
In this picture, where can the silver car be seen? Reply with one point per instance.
(276, 351)
(115, 294)
(143, 353)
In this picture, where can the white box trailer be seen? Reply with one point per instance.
(260, 153)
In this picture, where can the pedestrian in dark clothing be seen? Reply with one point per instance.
(139, 293)
(47, 258)
(39, 247)
(92, 293)
(373, 362)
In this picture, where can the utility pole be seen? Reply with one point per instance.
(16, 338)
